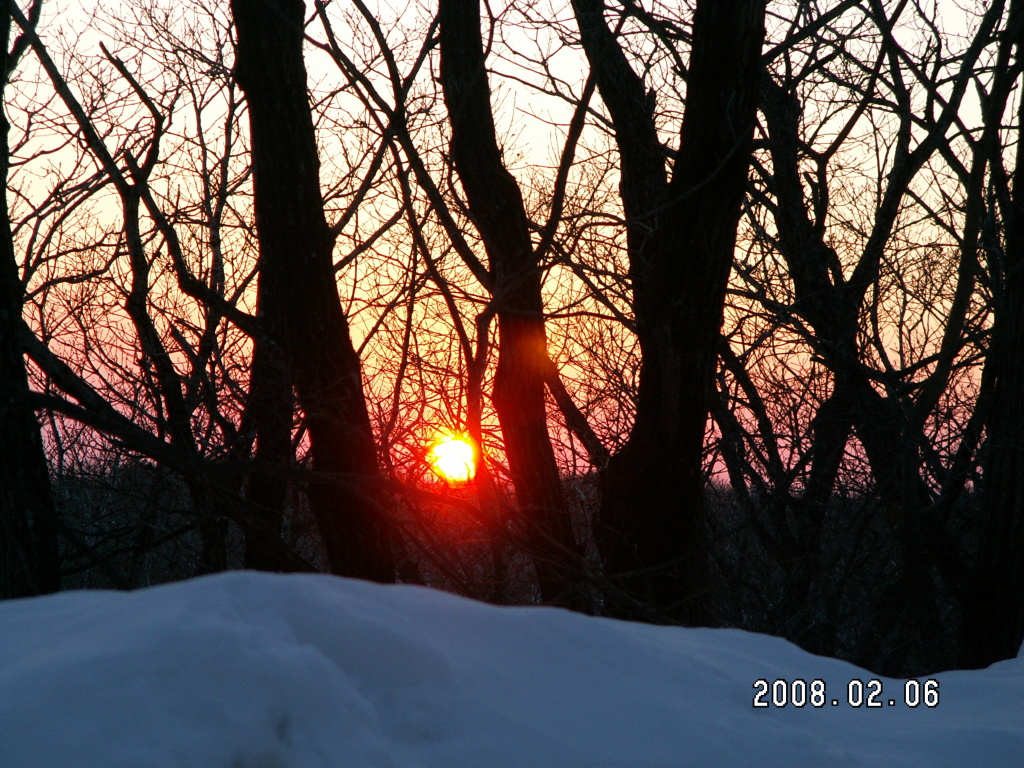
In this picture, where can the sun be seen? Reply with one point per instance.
(452, 458)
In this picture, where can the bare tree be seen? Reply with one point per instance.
(29, 555)
(298, 296)
(993, 619)
(496, 207)
(682, 237)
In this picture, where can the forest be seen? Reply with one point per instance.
(720, 304)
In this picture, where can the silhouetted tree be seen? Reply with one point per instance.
(298, 300)
(993, 619)
(29, 554)
(682, 234)
(496, 206)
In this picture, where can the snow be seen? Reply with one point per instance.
(247, 670)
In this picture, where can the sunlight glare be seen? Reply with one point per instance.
(452, 458)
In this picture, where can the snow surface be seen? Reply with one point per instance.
(247, 670)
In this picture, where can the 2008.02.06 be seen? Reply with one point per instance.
(801, 693)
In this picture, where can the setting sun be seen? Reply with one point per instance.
(452, 458)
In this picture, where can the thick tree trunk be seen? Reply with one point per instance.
(298, 296)
(653, 489)
(269, 412)
(993, 618)
(29, 553)
(496, 204)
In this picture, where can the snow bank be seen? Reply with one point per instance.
(247, 670)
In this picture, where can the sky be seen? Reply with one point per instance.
(247, 670)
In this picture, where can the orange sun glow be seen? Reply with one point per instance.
(452, 458)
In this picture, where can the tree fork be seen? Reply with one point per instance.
(653, 489)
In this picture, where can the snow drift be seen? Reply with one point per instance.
(247, 670)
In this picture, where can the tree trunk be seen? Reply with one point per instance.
(496, 205)
(298, 296)
(269, 411)
(29, 553)
(653, 489)
(993, 619)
